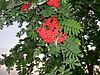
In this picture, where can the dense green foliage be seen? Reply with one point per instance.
(77, 18)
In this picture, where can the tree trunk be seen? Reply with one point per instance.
(90, 69)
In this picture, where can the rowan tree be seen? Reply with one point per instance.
(61, 30)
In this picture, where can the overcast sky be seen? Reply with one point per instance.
(8, 36)
(8, 40)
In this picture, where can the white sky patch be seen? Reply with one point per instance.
(3, 51)
(8, 37)
(3, 71)
(85, 36)
(91, 47)
(98, 23)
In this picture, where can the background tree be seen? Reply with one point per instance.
(70, 56)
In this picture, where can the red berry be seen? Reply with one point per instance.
(26, 6)
(49, 34)
(62, 38)
(54, 3)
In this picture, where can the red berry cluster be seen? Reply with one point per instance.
(62, 38)
(50, 30)
(54, 3)
(26, 6)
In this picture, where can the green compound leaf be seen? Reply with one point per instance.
(72, 27)
(72, 52)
